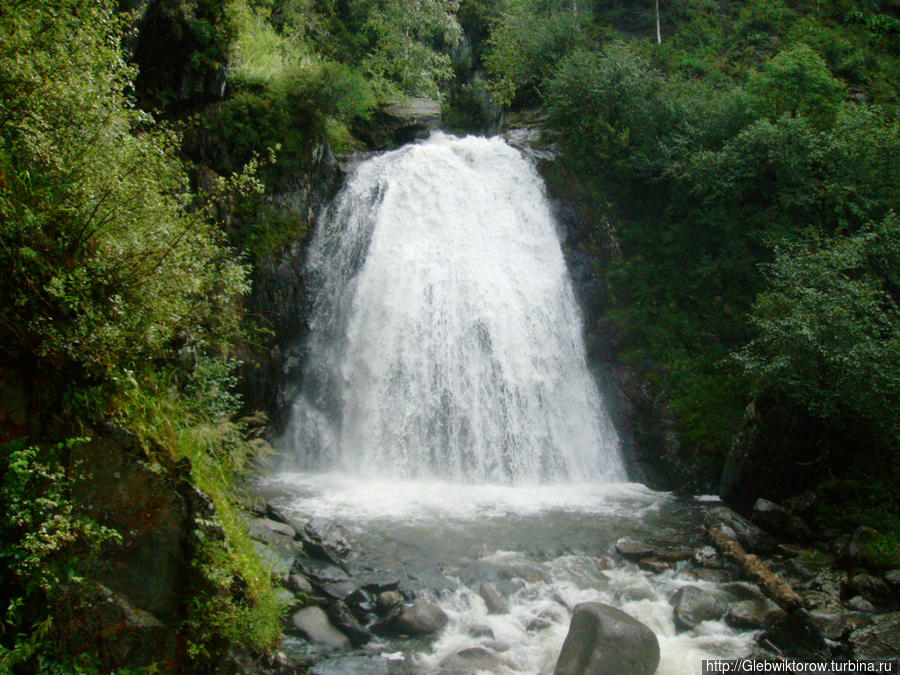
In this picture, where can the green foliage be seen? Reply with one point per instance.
(525, 48)
(828, 331)
(45, 544)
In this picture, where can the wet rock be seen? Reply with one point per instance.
(654, 566)
(633, 550)
(603, 639)
(400, 122)
(299, 584)
(496, 603)
(797, 636)
(831, 625)
(314, 625)
(473, 658)
(279, 561)
(780, 522)
(749, 614)
(538, 623)
(480, 630)
(859, 604)
(751, 537)
(707, 556)
(339, 590)
(692, 606)
(892, 578)
(271, 532)
(821, 601)
(674, 555)
(387, 600)
(879, 640)
(351, 665)
(420, 618)
(319, 572)
(330, 533)
(871, 588)
(343, 619)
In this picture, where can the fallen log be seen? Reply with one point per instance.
(768, 581)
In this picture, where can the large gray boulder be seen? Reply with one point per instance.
(603, 639)
(879, 640)
(420, 618)
(314, 625)
(692, 606)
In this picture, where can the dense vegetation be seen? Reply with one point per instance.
(748, 162)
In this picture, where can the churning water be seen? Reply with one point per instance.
(449, 422)
(445, 338)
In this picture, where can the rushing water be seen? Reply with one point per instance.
(448, 419)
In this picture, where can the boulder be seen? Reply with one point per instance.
(603, 639)
(750, 537)
(496, 603)
(344, 620)
(400, 122)
(654, 566)
(797, 636)
(633, 550)
(420, 618)
(351, 665)
(749, 614)
(387, 600)
(831, 625)
(871, 588)
(780, 522)
(692, 606)
(313, 624)
(879, 640)
(473, 659)
(859, 604)
(707, 556)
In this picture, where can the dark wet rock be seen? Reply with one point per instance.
(376, 581)
(387, 600)
(821, 601)
(320, 572)
(692, 606)
(859, 604)
(329, 533)
(749, 614)
(603, 639)
(351, 665)
(271, 532)
(496, 603)
(344, 620)
(870, 587)
(796, 635)
(780, 522)
(473, 658)
(707, 556)
(299, 584)
(878, 640)
(638, 592)
(400, 122)
(674, 555)
(751, 537)
(314, 625)
(892, 578)
(538, 623)
(340, 590)
(480, 630)
(420, 618)
(633, 550)
(831, 625)
(654, 566)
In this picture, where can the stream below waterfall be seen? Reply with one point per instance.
(449, 423)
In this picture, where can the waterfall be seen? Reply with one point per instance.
(445, 340)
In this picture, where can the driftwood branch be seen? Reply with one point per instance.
(769, 582)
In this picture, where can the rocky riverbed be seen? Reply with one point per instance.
(430, 588)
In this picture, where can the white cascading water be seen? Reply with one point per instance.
(445, 339)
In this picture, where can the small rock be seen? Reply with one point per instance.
(674, 555)
(831, 625)
(603, 639)
(859, 604)
(749, 614)
(313, 624)
(480, 630)
(537, 623)
(821, 601)
(343, 619)
(692, 606)
(299, 584)
(387, 600)
(633, 550)
(473, 658)
(707, 556)
(496, 604)
(654, 566)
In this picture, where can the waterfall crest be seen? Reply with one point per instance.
(445, 340)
